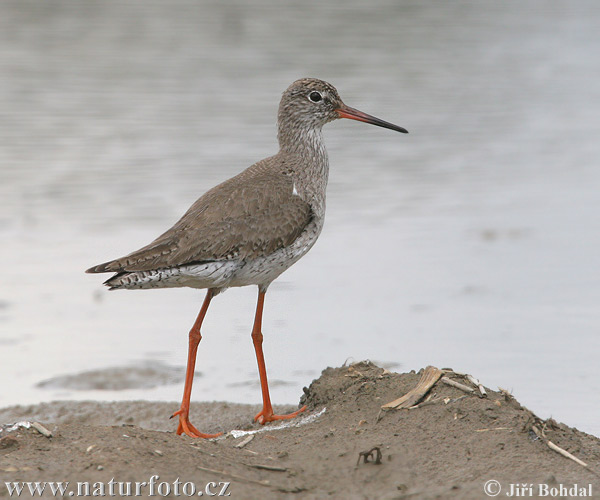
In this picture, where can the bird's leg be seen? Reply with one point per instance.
(184, 412)
(266, 414)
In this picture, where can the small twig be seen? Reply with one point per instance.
(494, 429)
(200, 450)
(235, 476)
(471, 379)
(558, 449)
(565, 453)
(456, 400)
(457, 385)
(254, 466)
(477, 384)
(243, 443)
(273, 468)
(428, 402)
(41, 429)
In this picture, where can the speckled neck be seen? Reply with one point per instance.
(305, 144)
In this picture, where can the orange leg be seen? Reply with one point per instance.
(266, 414)
(184, 412)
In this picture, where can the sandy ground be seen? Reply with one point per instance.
(449, 447)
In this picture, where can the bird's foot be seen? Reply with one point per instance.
(267, 415)
(185, 426)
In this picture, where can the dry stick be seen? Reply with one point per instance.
(426, 403)
(455, 400)
(41, 429)
(565, 453)
(243, 443)
(273, 468)
(558, 449)
(235, 476)
(477, 384)
(200, 450)
(457, 385)
(428, 379)
(471, 379)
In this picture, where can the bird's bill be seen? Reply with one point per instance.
(355, 114)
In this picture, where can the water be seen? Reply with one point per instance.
(471, 243)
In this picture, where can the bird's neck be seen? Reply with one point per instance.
(306, 146)
(299, 139)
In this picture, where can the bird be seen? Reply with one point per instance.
(249, 229)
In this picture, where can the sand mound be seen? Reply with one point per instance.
(450, 446)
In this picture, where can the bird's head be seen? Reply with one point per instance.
(311, 103)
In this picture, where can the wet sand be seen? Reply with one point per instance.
(447, 448)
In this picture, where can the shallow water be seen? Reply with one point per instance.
(471, 243)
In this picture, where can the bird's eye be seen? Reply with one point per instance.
(315, 96)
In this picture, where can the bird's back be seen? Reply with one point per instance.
(246, 218)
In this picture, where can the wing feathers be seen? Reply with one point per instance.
(245, 217)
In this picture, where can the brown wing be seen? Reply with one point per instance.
(244, 217)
